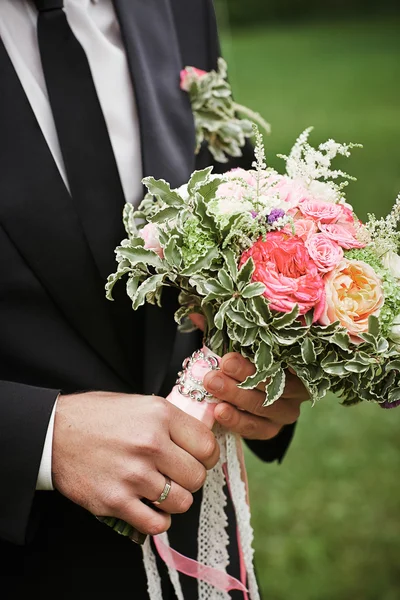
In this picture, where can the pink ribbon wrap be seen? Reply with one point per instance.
(203, 411)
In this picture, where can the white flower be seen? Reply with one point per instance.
(391, 261)
(325, 192)
(231, 206)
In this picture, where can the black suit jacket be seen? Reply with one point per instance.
(57, 331)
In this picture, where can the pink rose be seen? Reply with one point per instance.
(291, 191)
(343, 233)
(347, 215)
(322, 212)
(283, 265)
(325, 252)
(189, 75)
(303, 228)
(236, 189)
(151, 239)
(353, 293)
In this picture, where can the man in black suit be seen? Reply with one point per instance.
(64, 176)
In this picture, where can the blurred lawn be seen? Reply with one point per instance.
(327, 521)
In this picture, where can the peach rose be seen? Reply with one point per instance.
(326, 253)
(151, 239)
(342, 233)
(190, 74)
(321, 212)
(283, 265)
(353, 293)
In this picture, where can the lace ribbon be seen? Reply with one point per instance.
(214, 583)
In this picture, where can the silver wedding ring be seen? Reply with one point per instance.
(164, 494)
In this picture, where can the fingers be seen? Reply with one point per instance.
(236, 366)
(198, 321)
(226, 388)
(179, 500)
(144, 518)
(248, 426)
(193, 436)
(182, 468)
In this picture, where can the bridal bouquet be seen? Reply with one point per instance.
(281, 269)
(283, 272)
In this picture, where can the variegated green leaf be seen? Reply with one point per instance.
(374, 327)
(198, 177)
(141, 255)
(203, 262)
(181, 313)
(394, 365)
(353, 366)
(219, 319)
(275, 388)
(213, 286)
(147, 287)
(225, 280)
(173, 254)
(208, 190)
(286, 319)
(246, 272)
(369, 338)
(287, 337)
(239, 318)
(309, 317)
(112, 280)
(382, 346)
(394, 395)
(216, 342)
(341, 339)
(200, 210)
(250, 336)
(253, 381)
(263, 357)
(335, 369)
(260, 306)
(266, 336)
(162, 190)
(131, 286)
(253, 289)
(230, 260)
(165, 214)
(308, 351)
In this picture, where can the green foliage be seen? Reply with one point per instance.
(257, 12)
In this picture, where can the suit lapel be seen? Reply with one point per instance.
(167, 139)
(38, 215)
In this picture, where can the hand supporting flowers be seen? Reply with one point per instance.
(242, 411)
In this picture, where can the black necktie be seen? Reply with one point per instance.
(82, 132)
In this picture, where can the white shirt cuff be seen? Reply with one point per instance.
(44, 480)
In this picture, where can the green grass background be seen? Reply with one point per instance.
(327, 521)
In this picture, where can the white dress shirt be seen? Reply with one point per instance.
(95, 26)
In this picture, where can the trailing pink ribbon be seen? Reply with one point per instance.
(193, 568)
(185, 395)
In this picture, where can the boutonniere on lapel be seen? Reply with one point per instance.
(217, 116)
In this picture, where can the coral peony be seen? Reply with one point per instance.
(326, 253)
(353, 293)
(283, 265)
